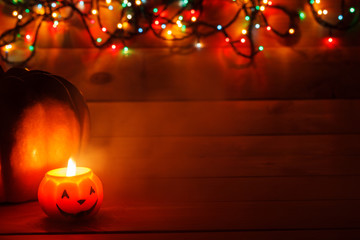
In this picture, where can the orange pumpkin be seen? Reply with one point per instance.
(44, 120)
(73, 197)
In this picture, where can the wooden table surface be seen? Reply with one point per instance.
(290, 169)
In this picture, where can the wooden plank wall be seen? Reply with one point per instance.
(204, 145)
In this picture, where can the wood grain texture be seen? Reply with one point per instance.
(208, 74)
(252, 189)
(230, 216)
(224, 118)
(182, 158)
(328, 234)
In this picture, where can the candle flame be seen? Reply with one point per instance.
(71, 168)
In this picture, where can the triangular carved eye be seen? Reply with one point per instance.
(92, 190)
(65, 194)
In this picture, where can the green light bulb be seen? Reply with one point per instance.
(302, 15)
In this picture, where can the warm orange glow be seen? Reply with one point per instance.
(74, 197)
(71, 168)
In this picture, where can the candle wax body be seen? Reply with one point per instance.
(78, 196)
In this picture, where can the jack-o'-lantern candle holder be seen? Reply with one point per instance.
(70, 193)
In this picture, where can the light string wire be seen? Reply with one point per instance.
(141, 17)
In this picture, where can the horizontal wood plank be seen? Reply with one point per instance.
(245, 156)
(233, 166)
(325, 234)
(113, 119)
(189, 190)
(231, 146)
(28, 218)
(208, 74)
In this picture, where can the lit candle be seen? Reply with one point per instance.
(72, 192)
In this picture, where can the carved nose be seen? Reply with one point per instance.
(81, 201)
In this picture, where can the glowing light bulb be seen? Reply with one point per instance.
(330, 39)
(140, 30)
(262, 8)
(265, 1)
(268, 28)
(15, 13)
(317, 1)
(81, 3)
(242, 40)
(219, 27)
(31, 48)
(163, 26)
(227, 39)
(20, 17)
(261, 48)
(193, 19)
(270, 3)
(325, 12)
(94, 11)
(244, 31)
(99, 40)
(125, 49)
(247, 18)
(340, 17)
(53, 5)
(71, 168)
(155, 10)
(169, 32)
(119, 26)
(111, 8)
(156, 22)
(198, 45)
(319, 12)
(192, 11)
(138, 2)
(129, 16)
(129, 4)
(257, 26)
(54, 15)
(302, 15)
(181, 18)
(291, 31)
(8, 47)
(113, 46)
(103, 29)
(352, 9)
(108, 1)
(27, 36)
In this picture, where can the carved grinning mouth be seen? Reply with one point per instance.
(79, 214)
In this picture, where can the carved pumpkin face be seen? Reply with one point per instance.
(44, 120)
(62, 197)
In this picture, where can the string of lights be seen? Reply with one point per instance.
(174, 20)
(346, 18)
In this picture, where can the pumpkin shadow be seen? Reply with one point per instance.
(78, 225)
